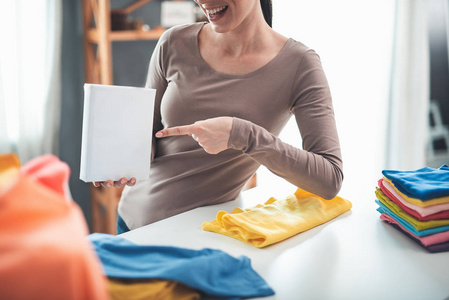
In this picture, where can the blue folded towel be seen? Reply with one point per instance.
(213, 272)
(423, 184)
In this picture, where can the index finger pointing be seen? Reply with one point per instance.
(178, 130)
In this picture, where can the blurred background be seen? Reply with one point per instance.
(386, 62)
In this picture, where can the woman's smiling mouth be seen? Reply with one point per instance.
(215, 13)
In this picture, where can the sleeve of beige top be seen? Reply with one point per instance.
(317, 167)
(156, 79)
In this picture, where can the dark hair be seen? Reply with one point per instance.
(267, 11)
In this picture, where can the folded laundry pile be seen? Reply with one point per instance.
(417, 204)
(165, 272)
(46, 251)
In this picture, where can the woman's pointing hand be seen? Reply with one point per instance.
(211, 134)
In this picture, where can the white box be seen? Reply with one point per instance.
(117, 132)
(176, 13)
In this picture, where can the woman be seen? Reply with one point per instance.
(225, 89)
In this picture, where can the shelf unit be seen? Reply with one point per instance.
(98, 38)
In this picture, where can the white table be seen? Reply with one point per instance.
(355, 256)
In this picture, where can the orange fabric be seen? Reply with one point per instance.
(44, 253)
(49, 171)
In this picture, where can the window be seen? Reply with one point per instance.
(354, 40)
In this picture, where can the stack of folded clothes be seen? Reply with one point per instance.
(417, 204)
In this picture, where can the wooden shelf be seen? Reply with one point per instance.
(99, 37)
(127, 35)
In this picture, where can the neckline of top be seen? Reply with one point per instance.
(236, 76)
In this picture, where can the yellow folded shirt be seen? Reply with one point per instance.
(419, 225)
(9, 168)
(418, 202)
(277, 220)
(150, 289)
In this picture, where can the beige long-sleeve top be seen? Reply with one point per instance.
(183, 176)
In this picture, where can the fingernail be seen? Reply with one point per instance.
(122, 181)
(159, 134)
(108, 184)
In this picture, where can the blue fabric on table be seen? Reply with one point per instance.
(384, 209)
(121, 225)
(423, 184)
(211, 271)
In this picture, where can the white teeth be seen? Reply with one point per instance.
(215, 10)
